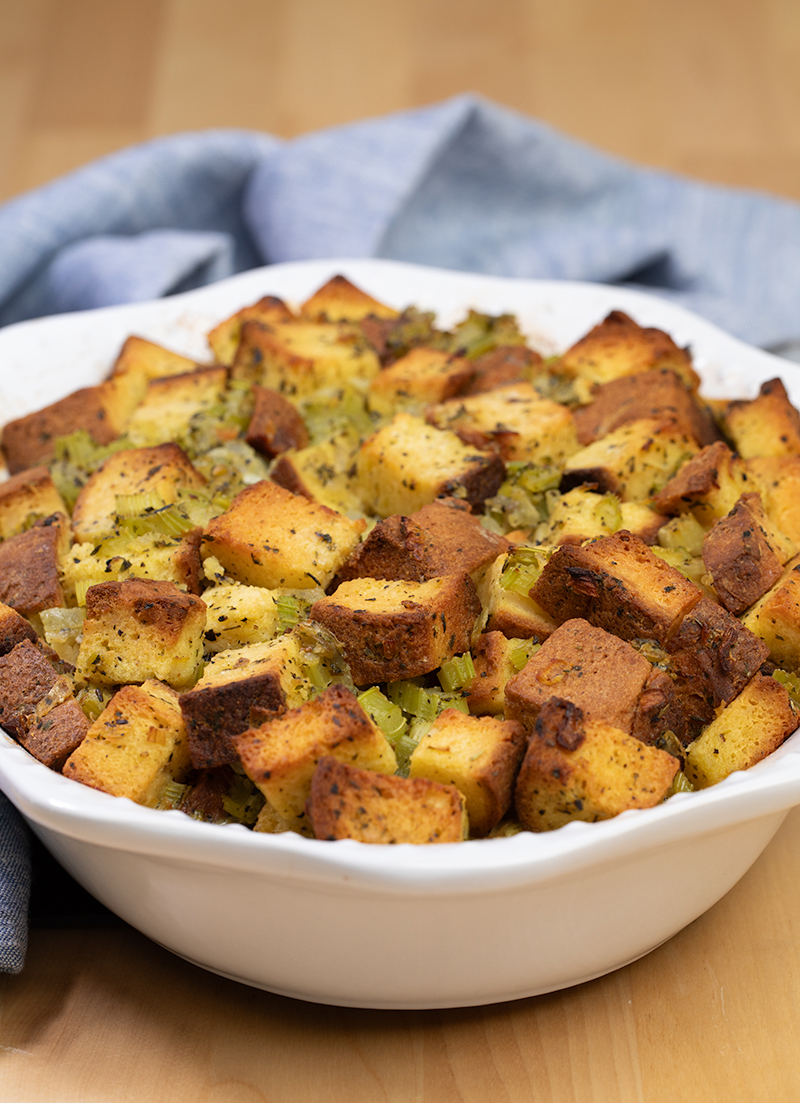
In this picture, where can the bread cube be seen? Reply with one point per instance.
(416, 380)
(14, 629)
(170, 404)
(777, 478)
(271, 537)
(497, 659)
(391, 630)
(275, 425)
(766, 426)
(709, 484)
(322, 472)
(136, 747)
(240, 688)
(26, 676)
(29, 566)
(238, 615)
(660, 394)
(299, 358)
(141, 629)
(162, 471)
(459, 540)
(509, 611)
(31, 493)
(581, 515)
(339, 300)
(619, 347)
(514, 419)
(480, 756)
(775, 618)
(578, 768)
(633, 462)
(503, 365)
(752, 726)
(745, 554)
(171, 559)
(139, 362)
(280, 756)
(224, 338)
(350, 803)
(408, 463)
(53, 736)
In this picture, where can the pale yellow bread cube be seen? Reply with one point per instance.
(479, 755)
(170, 404)
(408, 463)
(576, 768)
(152, 555)
(391, 630)
(775, 618)
(239, 615)
(29, 493)
(743, 732)
(506, 610)
(322, 472)
(634, 461)
(497, 659)
(280, 756)
(351, 803)
(161, 471)
(777, 478)
(224, 338)
(136, 747)
(271, 537)
(141, 629)
(416, 380)
(515, 420)
(339, 300)
(582, 514)
(769, 425)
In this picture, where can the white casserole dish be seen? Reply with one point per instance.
(396, 927)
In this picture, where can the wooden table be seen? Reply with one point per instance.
(707, 87)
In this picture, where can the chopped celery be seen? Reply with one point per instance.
(168, 520)
(243, 802)
(63, 629)
(93, 699)
(684, 532)
(387, 716)
(522, 569)
(680, 784)
(413, 699)
(791, 683)
(520, 651)
(173, 794)
(134, 505)
(691, 567)
(457, 673)
(291, 610)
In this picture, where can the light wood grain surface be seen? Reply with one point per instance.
(706, 87)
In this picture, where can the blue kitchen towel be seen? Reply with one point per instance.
(463, 184)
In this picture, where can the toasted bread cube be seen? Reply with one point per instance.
(459, 540)
(238, 615)
(271, 537)
(323, 473)
(169, 405)
(339, 300)
(480, 756)
(658, 394)
(29, 566)
(162, 470)
(752, 726)
(503, 365)
(14, 629)
(139, 362)
(416, 380)
(26, 676)
(141, 629)
(171, 559)
(581, 515)
(349, 803)
(619, 347)
(634, 461)
(280, 756)
(619, 584)
(299, 358)
(224, 338)
(507, 610)
(604, 676)
(745, 554)
(30, 440)
(391, 630)
(30, 493)
(766, 426)
(777, 478)
(515, 420)
(240, 688)
(275, 425)
(577, 768)
(52, 737)
(136, 747)
(408, 463)
(775, 618)
(709, 484)
(497, 659)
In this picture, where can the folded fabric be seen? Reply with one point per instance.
(463, 184)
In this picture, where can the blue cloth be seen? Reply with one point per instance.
(463, 184)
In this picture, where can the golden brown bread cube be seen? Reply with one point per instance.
(416, 380)
(31, 493)
(775, 618)
(139, 362)
(141, 629)
(172, 559)
(658, 394)
(603, 675)
(26, 676)
(408, 463)
(634, 462)
(709, 484)
(280, 756)
(346, 802)
(746, 730)
(224, 338)
(339, 300)
(619, 347)
(777, 478)
(271, 537)
(169, 405)
(161, 470)
(497, 659)
(745, 554)
(577, 768)
(14, 629)
(391, 630)
(766, 426)
(240, 688)
(29, 566)
(52, 737)
(136, 747)
(514, 419)
(503, 365)
(480, 756)
(275, 425)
